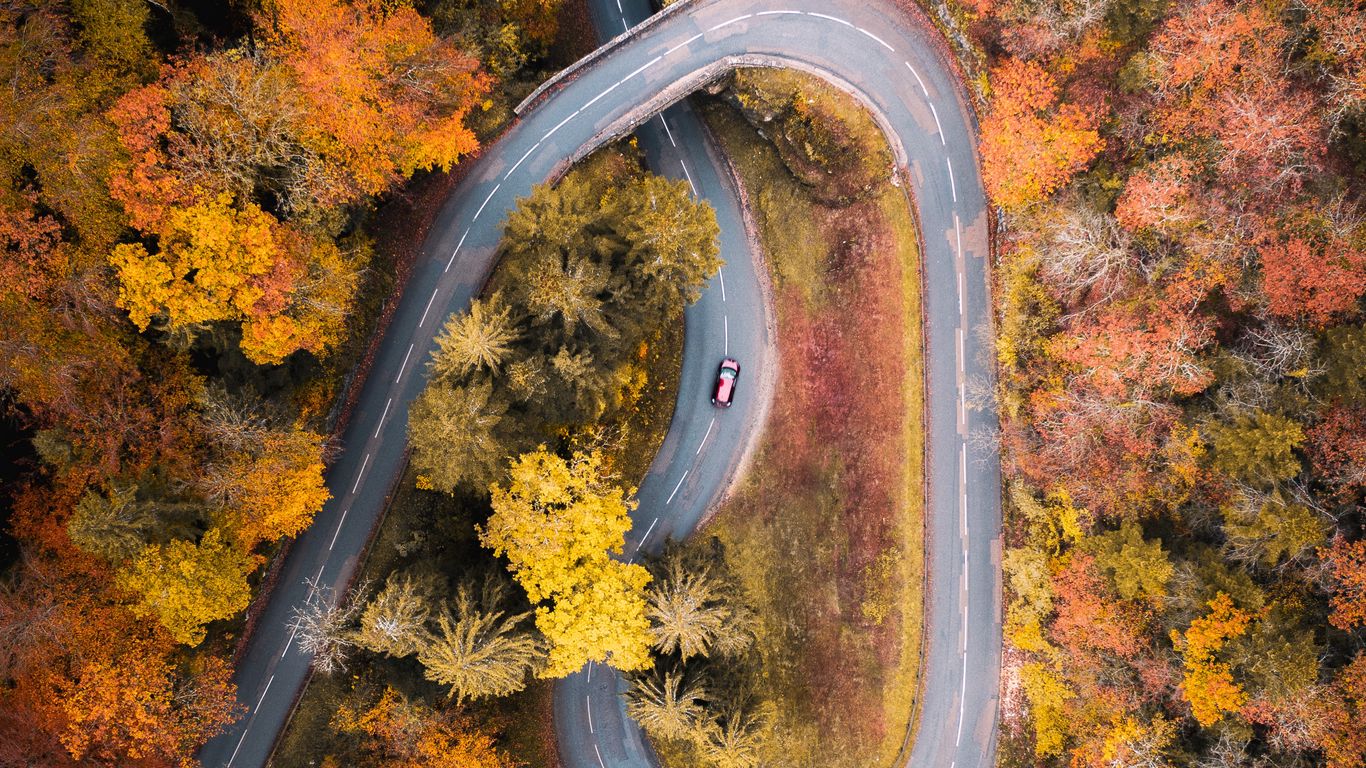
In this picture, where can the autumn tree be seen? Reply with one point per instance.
(480, 338)
(1032, 144)
(186, 585)
(397, 732)
(558, 522)
(666, 706)
(268, 483)
(1209, 684)
(1138, 567)
(688, 614)
(1257, 448)
(1346, 561)
(458, 435)
(479, 651)
(394, 621)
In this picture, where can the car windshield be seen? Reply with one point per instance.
(727, 373)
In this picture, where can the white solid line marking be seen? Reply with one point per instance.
(725, 327)
(648, 531)
(778, 13)
(643, 67)
(600, 762)
(918, 80)
(676, 487)
(382, 415)
(732, 21)
(523, 160)
(361, 473)
(404, 365)
(881, 42)
(940, 128)
(689, 175)
(588, 707)
(722, 276)
(953, 188)
(704, 437)
(665, 123)
(337, 532)
(831, 18)
(423, 321)
(457, 250)
(263, 693)
(486, 201)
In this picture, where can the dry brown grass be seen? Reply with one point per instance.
(826, 528)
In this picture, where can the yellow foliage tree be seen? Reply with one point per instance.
(186, 585)
(1048, 695)
(558, 522)
(1209, 684)
(217, 262)
(399, 733)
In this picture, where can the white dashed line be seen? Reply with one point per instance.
(880, 41)
(684, 44)
(239, 745)
(962, 356)
(263, 693)
(337, 532)
(918, 80)
(290, 641)
(689, 175)
(643, 67)
(619, 10)
(595, 99)
(670, 133)
(939, 127)
(732, 21)
(382, 415)
(523, 160)
(778, 13)
(725, 328)
(704, 437)
(953, 188)
(958, 235)
(486, 201)
(624, 26)
(405, 363)
(559, 125)
(648, 531)
(721, 275)
(676, 487)
(360, 474)
(600, 762)
(457, 250)
(830, 18)
(960, 293)
(423, 321)
(588, 707)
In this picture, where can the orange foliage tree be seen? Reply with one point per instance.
(1209, 684)
(400, 733)
(1346, 561)
(1031, 144)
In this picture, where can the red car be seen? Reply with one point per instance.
(724, 393)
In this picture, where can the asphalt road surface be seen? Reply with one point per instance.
(893, 65)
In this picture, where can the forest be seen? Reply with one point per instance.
(189, 271)
(1183, 377)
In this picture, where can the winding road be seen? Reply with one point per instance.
(890, 61)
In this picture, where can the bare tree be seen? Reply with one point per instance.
(321, 627)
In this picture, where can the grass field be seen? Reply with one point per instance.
(826, 528)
